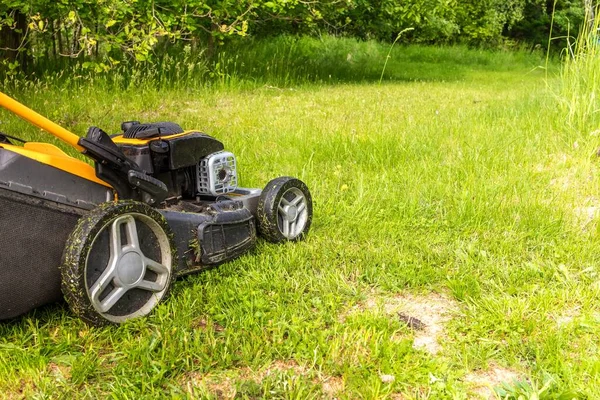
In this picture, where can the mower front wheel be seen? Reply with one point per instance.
(118, 263)
(284, 211)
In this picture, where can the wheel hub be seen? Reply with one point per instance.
(291, 213)
(130, 268)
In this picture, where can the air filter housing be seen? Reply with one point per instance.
(217, 174)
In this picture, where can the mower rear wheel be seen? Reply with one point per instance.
(284, 211)
(118, 263)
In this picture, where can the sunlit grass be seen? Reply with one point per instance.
(470, 185)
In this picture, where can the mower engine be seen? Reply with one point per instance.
(191, 164)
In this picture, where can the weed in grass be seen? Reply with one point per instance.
(387, 57)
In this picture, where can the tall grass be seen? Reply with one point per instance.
(284, 61)
(580, 94)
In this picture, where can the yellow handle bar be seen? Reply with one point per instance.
(36, 119)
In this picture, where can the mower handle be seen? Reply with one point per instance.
(41, 122)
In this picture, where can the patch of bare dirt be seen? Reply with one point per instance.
(18, 392)
(223, 385)
(567, 316)
(59, 371)
(419, 392)
(332, 386)
(14, 396)
(290, 366)
(197, 384)
(587, 211)
(483, 382)
(203, 324)
(429, 313)
(224, 389)
(572, 179)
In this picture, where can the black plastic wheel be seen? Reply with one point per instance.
(285, 210)
(118, 263)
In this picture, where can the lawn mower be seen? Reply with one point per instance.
(160, 202)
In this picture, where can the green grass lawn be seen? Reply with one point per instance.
(466, 203)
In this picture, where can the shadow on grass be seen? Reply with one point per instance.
(289, 60)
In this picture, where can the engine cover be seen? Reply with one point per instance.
(172, 159)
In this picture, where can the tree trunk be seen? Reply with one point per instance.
(60, 39)
(211, 49)
(53, 34)
(76, 33)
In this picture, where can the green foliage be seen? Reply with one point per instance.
(565, 16)
(106, 32)
(101, 35)
(485, 20)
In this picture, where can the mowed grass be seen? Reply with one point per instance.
(469, 198)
